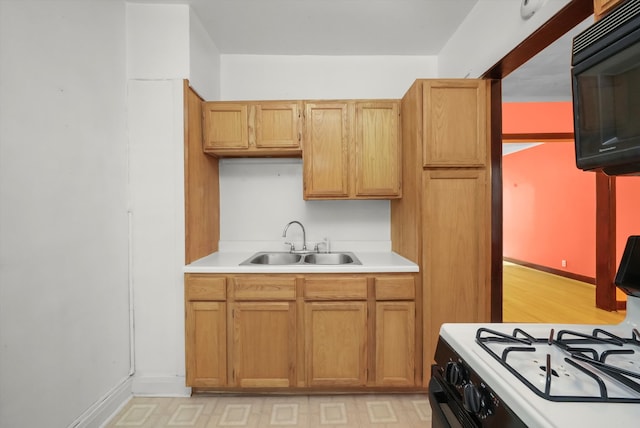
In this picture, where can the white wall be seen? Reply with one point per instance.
(157, 205)
(165, 44)
(277, 77)
(91, 129)
(260, 196)
(64, 299)
(204, 58)
(491, 30)
(157, 41)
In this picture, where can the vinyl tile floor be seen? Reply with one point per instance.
(277, 411)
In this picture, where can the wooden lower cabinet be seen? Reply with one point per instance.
(206, 350)
(300, 331)
(456, 257)
(264, 344)
(395, 343)
(336, 343)
(446, 220)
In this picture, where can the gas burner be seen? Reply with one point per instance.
(570, 366)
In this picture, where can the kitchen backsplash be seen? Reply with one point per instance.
(258, 197)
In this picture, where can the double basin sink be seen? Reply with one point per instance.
(283, 258)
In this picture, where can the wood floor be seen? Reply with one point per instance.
(530, 295)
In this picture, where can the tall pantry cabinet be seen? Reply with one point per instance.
(443, 221)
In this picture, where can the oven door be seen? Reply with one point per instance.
(446, 411)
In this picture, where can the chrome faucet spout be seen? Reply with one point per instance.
(304, 234)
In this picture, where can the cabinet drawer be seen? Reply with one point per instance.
(395, 288)
(205, 287)
(335, 288)
(264, 288)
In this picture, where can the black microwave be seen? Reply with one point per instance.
(606, 92)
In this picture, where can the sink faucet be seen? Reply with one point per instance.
(304, 235)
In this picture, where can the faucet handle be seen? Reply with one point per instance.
(325, 242)
(292, 247)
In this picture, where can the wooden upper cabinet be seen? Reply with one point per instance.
(277, 125)
(377, 149)
(455, 125)
(265, 128)
(352, 150)
(601, 7)
(226, 126)
(326, 150)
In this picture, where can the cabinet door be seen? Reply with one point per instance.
(225, 126)
(456, 256)
(600, 7)
(206, 344)
(455, 122)
(264, 344)
(326, 151)
(395, 343)
(336, 341)
(277, 125)
(395, 287)
(377, 149)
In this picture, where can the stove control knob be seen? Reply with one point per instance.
(455, 373)
(475, 400)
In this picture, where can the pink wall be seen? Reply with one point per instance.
(549, 204)
(628, 210)
(532, 118)
(549, 209)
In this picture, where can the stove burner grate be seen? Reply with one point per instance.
(581, 353)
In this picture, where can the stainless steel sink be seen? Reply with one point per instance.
(332, 259)
(282, 258)
(273, 259)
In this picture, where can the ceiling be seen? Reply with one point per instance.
(546, 76)
(368, 27)
(331, 27)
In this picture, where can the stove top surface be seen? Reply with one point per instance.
(570, 365)
(569, 385)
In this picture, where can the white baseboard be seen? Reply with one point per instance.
(148, 386)
(103, 410)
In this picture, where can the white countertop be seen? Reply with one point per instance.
(229, 262)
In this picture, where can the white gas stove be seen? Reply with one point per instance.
(542, 375)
